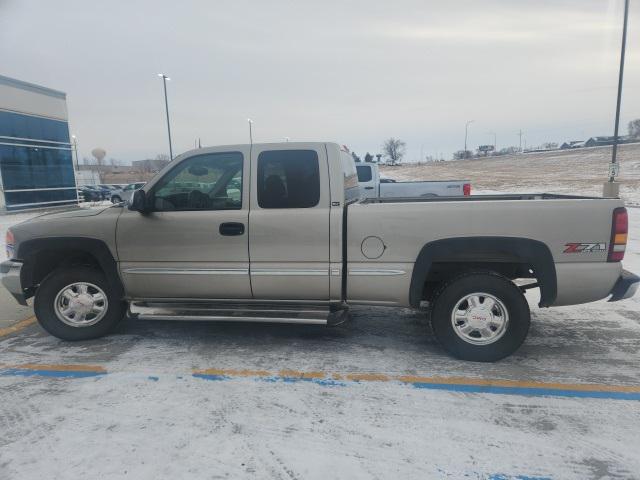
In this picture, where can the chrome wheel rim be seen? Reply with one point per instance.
(81, 304)
(480, 318)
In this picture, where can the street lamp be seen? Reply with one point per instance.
(466, 132)
(166, 106)
(495, 146)
(75, 149)
(612, 189)
(250, 130)
(76, 171)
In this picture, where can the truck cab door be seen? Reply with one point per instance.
(193, 243)
(289, 222)
(367, 180)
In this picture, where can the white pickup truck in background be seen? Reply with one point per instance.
(373, 186)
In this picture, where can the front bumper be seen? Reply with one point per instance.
(10, 275)
(625, 287)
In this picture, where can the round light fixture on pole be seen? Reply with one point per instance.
(250, 130)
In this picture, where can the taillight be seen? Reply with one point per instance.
(466, 189)
(9, 242)
(619, 230)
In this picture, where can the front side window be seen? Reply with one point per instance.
(288, 179)
(205, 182)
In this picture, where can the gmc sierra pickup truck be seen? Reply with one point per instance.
(278, 233)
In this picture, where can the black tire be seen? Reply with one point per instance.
(55, 282)
(511, 298)
(116, 199)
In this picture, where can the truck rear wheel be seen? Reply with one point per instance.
(77, 303)
(480, 316)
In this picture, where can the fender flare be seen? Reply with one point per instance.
(98, 249)
(487, 249)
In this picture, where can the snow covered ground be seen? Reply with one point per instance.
(374, 398)
(574, 172)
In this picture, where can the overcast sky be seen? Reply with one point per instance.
(353, 72)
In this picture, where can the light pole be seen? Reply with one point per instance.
(166, 106)
(466, 133)
(495, 146)
(76, 171)
(612, 189)
(250, 130)
(75, 149)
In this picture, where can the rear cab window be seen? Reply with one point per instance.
(364, 173)
(288, 179)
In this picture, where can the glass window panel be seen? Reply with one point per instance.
(364, 173)
(32, 167)
(37, 128)
(203, 182)
(15, 200)
(288, 179)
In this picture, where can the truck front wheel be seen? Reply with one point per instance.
(77, 303)
(480, 316)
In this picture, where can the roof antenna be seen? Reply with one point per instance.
(250, 130)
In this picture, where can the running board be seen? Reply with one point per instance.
(236, 312)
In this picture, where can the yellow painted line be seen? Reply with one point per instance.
(58, 367)
(16, 327)
(233, 373)
(367, 377)
(297, 374)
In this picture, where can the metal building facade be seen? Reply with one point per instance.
(36, 163)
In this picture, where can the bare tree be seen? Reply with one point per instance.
(393, 149)
(162, 156)
(634, 129)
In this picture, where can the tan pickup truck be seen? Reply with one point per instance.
(278, 233)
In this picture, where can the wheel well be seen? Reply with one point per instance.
(42, 255)
(441, 272)
(46, 261)
(511, 257)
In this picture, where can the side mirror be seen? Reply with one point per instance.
(139, 202)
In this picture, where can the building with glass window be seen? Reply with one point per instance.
(36, 165)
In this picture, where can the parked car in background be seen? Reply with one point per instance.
(88, 194)
(373, 186)
(124, 194)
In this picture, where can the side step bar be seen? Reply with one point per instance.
(237, 312)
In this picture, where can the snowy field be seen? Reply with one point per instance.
(374, 398)
(573, 172)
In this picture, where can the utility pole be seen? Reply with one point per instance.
(166, 106)
(495, 146)
(466, 132)
(520, 132)
(612, 189)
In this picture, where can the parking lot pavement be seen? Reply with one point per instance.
(373, 398)
(376, 397)
(10, 311)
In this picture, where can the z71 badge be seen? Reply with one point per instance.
(585, 247)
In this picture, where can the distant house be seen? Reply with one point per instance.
(604, 141)
(572, 144)
(599, 141)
